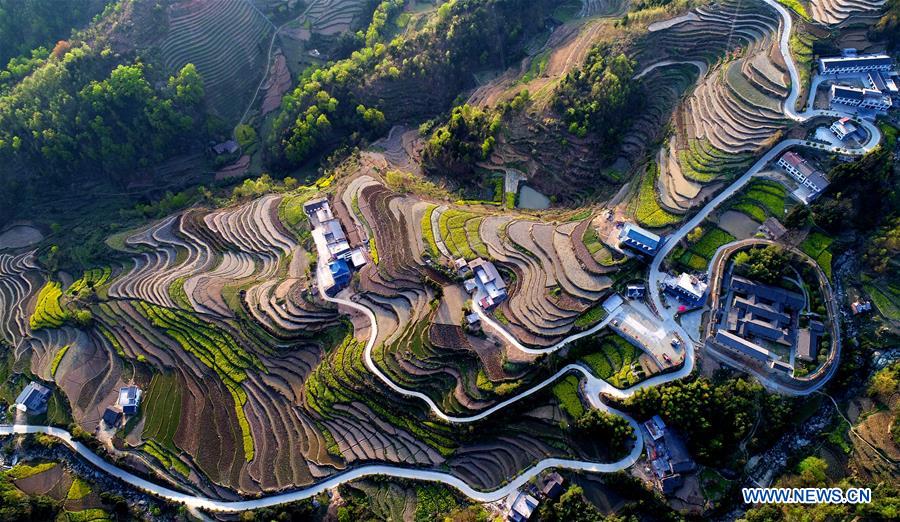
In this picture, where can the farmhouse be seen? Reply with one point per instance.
(859, 307)
(521, 507)
(112, 416)
(226, 147)
(33, 399)
(638, 239)
(553, 486)
(798, 168)
(129, 399)
(861, 97)
(843, 129)
(855, 64)
(668, 456)
(772, 228)
(330, 237)
(687, 288)
(489, 282)
(771, 293)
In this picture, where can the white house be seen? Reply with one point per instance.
(802, 171)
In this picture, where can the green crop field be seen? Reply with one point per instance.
(215, 349)
(703, 163)
(698, 255)
(459, 230)
(648, 211)
(54, 365)
(566, 392)
(612, 361)
(92, 278)
(818, 246)
(590, 317)
(47, 311)
(761, 198)
(428, 232)
(162, 409)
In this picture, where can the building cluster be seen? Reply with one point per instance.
(486, 280)
(521, 505)
(810, 178)
(638, 239)
(756, 318)
(688, 289)
(330, 237)
(878, 90)
(668, 456)
(127, 404)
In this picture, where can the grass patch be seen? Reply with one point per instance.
(889, 132)
(591, 240)
(23, 471)
(566, 392)
(78, 490)
(714, 486)
(887, 306)
(88, 515)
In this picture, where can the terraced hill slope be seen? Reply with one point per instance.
(228, 42)
(253, 383)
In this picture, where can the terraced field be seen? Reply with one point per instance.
(253, 383)
(227, 40)
(833, 12)
(731, 115)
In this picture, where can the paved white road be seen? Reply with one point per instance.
(594, 387)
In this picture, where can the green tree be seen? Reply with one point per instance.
(187, 86)
(764, 264)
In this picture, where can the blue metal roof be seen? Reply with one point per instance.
(840, 62)
(339, 268)
(641, 236)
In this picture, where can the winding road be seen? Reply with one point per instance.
(593, 386)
